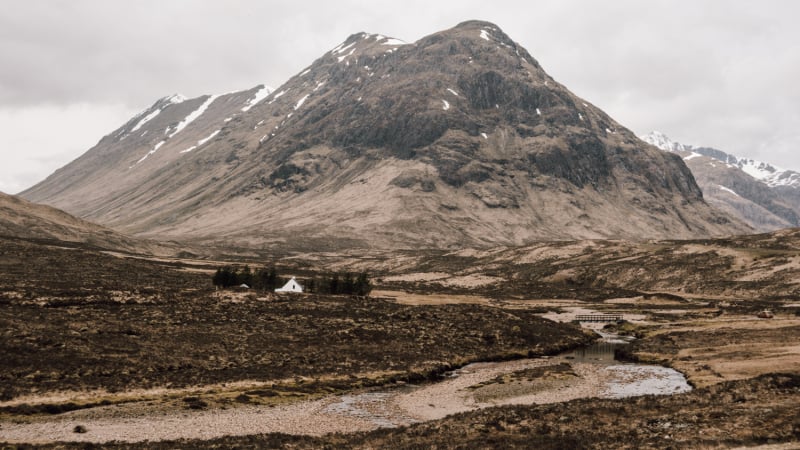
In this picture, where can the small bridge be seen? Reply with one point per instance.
(599, 317)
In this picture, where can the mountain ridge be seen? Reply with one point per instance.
(457, 139)
(767, 173)
(761, 194)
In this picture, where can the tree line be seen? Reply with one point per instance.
(341, 284)
(267, 279)
(264, 279)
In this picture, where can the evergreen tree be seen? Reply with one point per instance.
(347, 284)
(225, 277)
(362, 284)
(272, 278)
(334, 284)
(218, 278)
(245, 277)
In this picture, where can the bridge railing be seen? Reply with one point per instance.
(599, 317)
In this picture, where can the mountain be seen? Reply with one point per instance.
(460, 138)
(20, 219)
(758, 193)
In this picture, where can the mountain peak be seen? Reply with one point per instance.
(663, 142)
(481, 32)
(476, 23)
(462, 131)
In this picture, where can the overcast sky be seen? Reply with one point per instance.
(718, 73)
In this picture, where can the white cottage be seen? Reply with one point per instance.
(291, 286)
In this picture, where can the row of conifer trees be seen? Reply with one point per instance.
(262, 279)
(267, 279)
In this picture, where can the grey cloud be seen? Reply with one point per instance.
(710, 72)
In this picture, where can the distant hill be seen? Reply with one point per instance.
(758, 193)
(22, 219)
(459, 139)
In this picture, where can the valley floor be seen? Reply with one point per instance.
(132, 349)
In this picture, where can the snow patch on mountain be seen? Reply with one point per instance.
(728, 190)
(155, 149)
(211, 136)
(785, 178)
(201, 142)
(176, 98)
(757, 169)
(261, 94)
(277, 96)
(149, 114)
(342, 58)
(341, 48)
(145, 119)
(393, 41)
(300, 102)
(193, 115)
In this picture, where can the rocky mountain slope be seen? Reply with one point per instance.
(758, 193)
(458, 139)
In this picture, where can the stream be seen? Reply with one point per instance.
(629, 379)
(588, 372)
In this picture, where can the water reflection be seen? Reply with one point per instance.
(600, 351)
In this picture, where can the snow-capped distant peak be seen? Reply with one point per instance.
(663, 142)
(766, 173)
(757, 169)
(771, 175)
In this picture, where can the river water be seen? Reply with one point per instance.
(587, 372)
(628, 379)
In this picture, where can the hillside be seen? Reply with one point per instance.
(20, 219)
